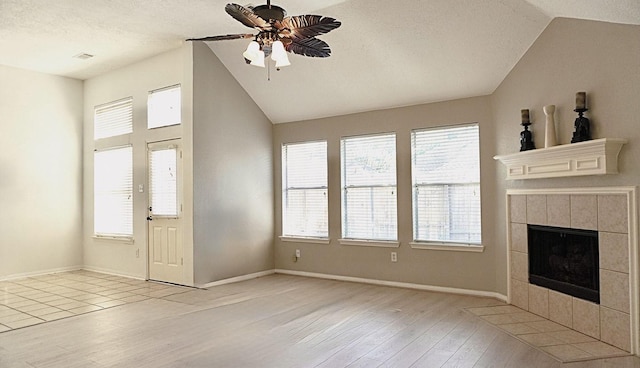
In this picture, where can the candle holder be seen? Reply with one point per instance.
(582, 127)
(526, 138)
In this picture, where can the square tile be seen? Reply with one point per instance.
(519, 266)
(546, 326)
(537, 209)
(85, 309)
(518, 208)
(599, 348)
(540, 339)
(614, 290)
(614, 251)
(586, 317)
(56, 316)
(500, 319)
(41, 312)
(584, 212)
(561, 308)
(24, 322)
(518, 328)
(496, 309)
(615, 328)
(539, 300)
(567, 353)
(526, 317)
(571, 337)
(612, 213)
(519, 240)
(519, 294)
(6, 320)
(559, 210)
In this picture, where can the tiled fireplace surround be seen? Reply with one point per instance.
(610, 211)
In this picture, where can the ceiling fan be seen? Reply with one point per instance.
(278, 33)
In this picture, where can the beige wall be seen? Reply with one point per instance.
(571, 55)
(232, 175)
(429, 267)
(135, 80)
(40, 172)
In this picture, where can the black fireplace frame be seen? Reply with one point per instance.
(591, 293)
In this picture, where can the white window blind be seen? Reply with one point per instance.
(114, 118)
(369, 198)
(446, 184)
(164, 107)
(164, 182)
(113, 192)
(304, 189)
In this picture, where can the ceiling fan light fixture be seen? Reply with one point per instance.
(279, 54)
(259, 59)
(252, 51)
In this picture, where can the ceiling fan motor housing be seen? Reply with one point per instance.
(270, 12)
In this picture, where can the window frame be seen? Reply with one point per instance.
(149, 106)
(114, 235)
(287, 234)
(118, 106)
(346, 239)
(439, 244)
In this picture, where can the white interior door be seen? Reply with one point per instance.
(166, 262)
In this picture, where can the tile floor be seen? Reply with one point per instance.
(556, 340)
(33, 300)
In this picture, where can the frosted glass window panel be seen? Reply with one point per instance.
(369, 198)
(304, 190)
(113, 119)
(113, 192)
(164, 182)
(446, 184)
(164, 107)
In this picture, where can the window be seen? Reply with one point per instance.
(164, 107)
(369, 209)
(163, 181)
(113, 192)
(446, 184)
(304, 190)
(114, 118)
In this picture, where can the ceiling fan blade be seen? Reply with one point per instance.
(247, 17)
(311, 47)
(306, 26)
(224, 37)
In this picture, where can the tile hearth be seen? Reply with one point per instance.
(604, 210)
(562, 343)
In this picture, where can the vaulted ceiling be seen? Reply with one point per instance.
(386, 53)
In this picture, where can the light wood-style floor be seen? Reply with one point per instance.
(281, 321)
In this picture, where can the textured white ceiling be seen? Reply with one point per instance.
(386, 54)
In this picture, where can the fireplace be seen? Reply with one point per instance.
(565, 260)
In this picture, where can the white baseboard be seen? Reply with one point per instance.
(406, 285)
(40, 273)
(237, 279)
(112, 272)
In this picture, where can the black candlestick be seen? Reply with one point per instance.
(582, 126)
(526, 139)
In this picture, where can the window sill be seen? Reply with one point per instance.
(370, 243)
(302, 239)
(114, 238)
(454, 247)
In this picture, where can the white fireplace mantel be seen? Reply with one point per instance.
(595, 157)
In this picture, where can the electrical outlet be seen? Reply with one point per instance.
(394, 257)
(297, 253)
(138, 253)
